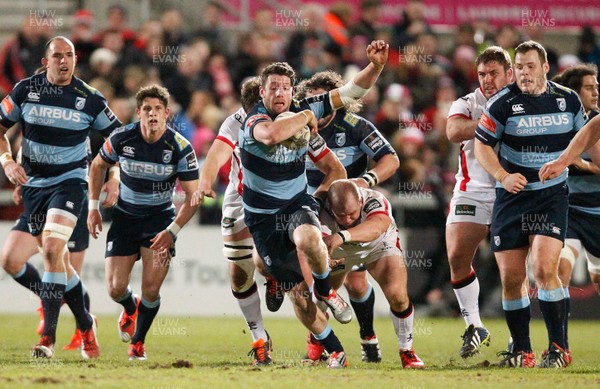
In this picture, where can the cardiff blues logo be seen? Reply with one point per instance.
(340, 139)
(167, 155)
(562, 103)
(79, 102)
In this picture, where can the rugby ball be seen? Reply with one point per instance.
(299, 139)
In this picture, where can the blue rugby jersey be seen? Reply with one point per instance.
(532, 130)
(56, 121)
(354, 140)
(584, 187)
(275, 176)
(149, 170)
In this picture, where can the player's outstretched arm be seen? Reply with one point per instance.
(97, 173)
(164, 239)
(585, 138)
(377, 52)
(383, 169)
(367, 231)
(217, 156)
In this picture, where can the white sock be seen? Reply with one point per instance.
(250, 307)
(404, 329)
(468, 300)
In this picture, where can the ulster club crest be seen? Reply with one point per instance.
(79, 102)
(562, 104)
(167, 155)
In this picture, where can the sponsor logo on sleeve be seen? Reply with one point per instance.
(374, 142)
(316, 143)
(7, 105)
(109, 114)
(487, 123)
(372, 205)
(192, 162)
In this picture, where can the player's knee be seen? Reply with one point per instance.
(357, 285)
(543, 272)
(512, 285)
(595, 278)
(151, 292)
(241, 275)
(308, 238)
(10, 264)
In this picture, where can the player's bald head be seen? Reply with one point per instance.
(342, 191)
(50, 44)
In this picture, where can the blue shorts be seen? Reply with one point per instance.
(533, 212)
(584, 227)
(80, 238)
(69, 196)
(273, 238)
(128, 233)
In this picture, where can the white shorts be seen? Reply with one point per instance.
(232, 220)
(592, 261)
(471, 207)
(386, 248)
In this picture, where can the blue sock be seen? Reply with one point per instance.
(567, 315)
(146, 314)
(329, 340)
(51, 293)
(76, 302)
(518, 316)
(363, 309)
(127, 301)
(552, 305)
(29, 277)
(322, 285)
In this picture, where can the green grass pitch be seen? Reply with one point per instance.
(212, 353)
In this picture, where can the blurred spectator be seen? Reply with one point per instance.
(269, 44)
(465, 35)
(117, 20)
(212, 30)
(219, 71)
(411, 25)
(178, 120)
(82, 36)
(20, 55)
(368, 17)
(396, 105)
(308, 37)
(508, 38)
(104, 87)
(589, 49)
(336, 23)
(123, 108)
(205, 131)
(464, 72)
(536, 33)
(246, 61)
(190, 75)
(102, 63)
(172, 26)
(427, 45)
(134, 78)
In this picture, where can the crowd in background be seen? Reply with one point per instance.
(203, 66)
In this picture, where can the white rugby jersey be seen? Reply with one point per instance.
(229, 133)
(373, 203)
(471, 177)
